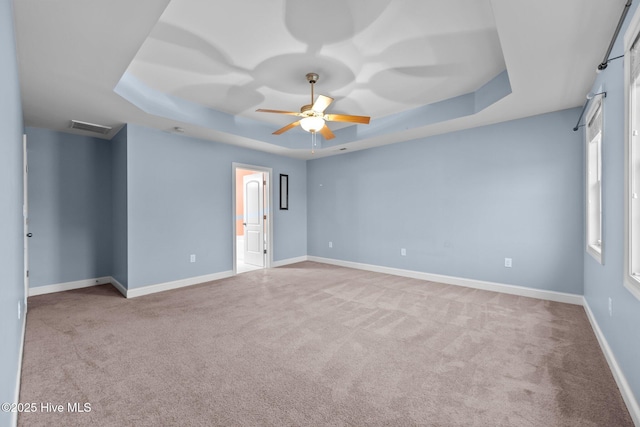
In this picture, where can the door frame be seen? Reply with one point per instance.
(25, 218)
(268, 209)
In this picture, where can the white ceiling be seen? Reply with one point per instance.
(375, 57)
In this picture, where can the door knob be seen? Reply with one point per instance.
(29, 234)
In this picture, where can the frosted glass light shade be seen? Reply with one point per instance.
(312, 124)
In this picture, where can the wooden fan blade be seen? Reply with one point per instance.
(347, 118)
(287, 127)
(321, 103)
(291, 113)
(326, 132)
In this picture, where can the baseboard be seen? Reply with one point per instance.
(119, 286)
(618, 375)
(131, 293)
(451, 280)
(160, 287)
(59, 287)
(459, 281)
(289, 261)
(16, 399)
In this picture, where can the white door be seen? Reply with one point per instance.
(25, 215)
(253, 219)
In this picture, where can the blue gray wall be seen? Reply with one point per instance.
(602, 282)
(460, 203)
(179, 202)
(11, 222)
(137, 206)
(69, 207)
(119, 270)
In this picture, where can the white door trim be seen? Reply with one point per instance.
(268, 210)
(25, 217)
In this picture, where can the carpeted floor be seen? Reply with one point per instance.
(314, 345)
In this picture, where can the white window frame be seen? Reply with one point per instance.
(593, 197)
(632, 137)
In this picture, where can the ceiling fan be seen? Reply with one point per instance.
(313, 117)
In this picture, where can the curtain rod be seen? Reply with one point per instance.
(606, 60)
(590, 96)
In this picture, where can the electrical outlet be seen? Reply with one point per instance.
(403, 252)
(193, 258)
(508, 262)
(330, 244)
(610, 307)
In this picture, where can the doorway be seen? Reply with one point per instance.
(252, 225)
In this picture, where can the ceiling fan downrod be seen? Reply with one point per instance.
(312, 78)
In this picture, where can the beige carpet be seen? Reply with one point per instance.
(315, 345)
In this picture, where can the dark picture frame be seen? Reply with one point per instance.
(284, 192)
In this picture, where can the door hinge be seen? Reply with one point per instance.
(264, 217)
(27, 273)
(264, 182)
(265, 251)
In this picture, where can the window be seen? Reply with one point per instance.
(594, 173)
(632, 157)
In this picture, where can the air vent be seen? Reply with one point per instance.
(90, 127)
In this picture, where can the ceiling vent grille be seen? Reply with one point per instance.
(90, 127)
